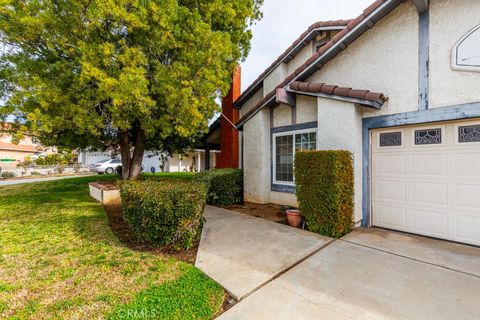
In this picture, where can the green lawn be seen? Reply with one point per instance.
(60, 260)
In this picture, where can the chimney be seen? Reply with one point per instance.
(229, 154)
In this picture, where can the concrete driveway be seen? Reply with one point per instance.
(242, 252)
(369, 274)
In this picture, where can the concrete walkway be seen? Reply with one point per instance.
(32, 180)
(242, 252)
(369, 274)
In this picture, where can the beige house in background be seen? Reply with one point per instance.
(10, 150)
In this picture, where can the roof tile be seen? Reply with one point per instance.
(373, 7)
(328, 89)
(338, 91)
(316, 25)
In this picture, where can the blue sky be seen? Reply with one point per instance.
(283, 21)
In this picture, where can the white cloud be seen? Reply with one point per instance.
(283, 21)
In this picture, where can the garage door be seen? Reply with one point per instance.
(426, 180)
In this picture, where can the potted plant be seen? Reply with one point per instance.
(294, 217)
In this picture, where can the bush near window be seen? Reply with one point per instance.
(225, 186)
(325, 188)
(164, 213)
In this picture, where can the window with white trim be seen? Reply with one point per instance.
(285, 146)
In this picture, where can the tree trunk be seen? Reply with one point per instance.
(137, 157)
(132, 163)
(125, 154)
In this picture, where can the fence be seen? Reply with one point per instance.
(25, 171)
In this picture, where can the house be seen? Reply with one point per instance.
(399, 87)
(192, 161)
(13, 152)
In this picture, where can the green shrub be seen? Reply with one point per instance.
(325, 189)
(225, 186)
(164, 213)
(8, 174)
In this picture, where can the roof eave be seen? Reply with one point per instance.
(363, 102)
(258, 84)
(368, 22)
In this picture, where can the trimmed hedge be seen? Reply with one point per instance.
(225, 186)
(166, 213)
(325, 189)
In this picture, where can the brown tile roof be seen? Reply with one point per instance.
(337, 40)
(338, 91)
(17, 147)
(296, 46)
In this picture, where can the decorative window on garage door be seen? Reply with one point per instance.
(469, 133)
(428, 136)
(391, 139)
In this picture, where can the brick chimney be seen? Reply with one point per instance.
(229, 156)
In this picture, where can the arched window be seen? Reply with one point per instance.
(466, 52)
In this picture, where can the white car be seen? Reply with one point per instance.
(106, 166)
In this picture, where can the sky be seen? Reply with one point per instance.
(283, 22)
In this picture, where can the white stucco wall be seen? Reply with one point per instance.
(300, 58)
(340, 128)
(384, 59)
(282, 116)
(274, 78)
(256, 162)
(450, 20)
(306, 109)
(250, 103)
(286, 199)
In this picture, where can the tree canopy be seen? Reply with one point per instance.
(133, 74)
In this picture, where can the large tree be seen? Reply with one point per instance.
(127, 74)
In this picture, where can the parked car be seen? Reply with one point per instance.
(37, 155)
(106, 166)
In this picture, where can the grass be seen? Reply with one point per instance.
(60, 260)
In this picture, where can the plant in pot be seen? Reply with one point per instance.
(294, 217)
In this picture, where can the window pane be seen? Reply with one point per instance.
(306, 141)
(284, 158)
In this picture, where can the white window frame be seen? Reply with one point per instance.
(274, 152)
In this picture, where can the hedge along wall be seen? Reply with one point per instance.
(225, 186)
(166, 213)
(325, 189)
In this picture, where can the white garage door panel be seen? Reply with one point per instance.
(390, 164)
(467, 164)
(432, 223)
(391, 217)
(467, 229)
(430, 164)
(430, 193)
(429, 189)
(467, 196)
(391, 190)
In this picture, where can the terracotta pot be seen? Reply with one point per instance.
(294, 218)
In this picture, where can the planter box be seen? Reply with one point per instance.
(105, 194)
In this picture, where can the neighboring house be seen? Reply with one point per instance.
(153, 161)
(399, 87)
(17, 152)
